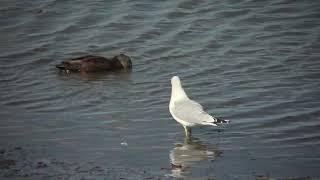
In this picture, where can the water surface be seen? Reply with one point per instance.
(254, 62)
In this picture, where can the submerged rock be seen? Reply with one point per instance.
(91, 63)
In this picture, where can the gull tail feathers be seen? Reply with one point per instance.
(209, 123)
(221, 121)
(209, 120)
(213, 121)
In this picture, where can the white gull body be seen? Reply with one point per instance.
(186, 111)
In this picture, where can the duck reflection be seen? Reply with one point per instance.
(120, 76)
(183, 156)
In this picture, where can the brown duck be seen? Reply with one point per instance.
(92, 63)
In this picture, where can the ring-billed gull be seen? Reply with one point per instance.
(186, 111)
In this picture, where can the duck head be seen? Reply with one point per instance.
(122, 61)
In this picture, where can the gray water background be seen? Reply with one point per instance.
(253, 62)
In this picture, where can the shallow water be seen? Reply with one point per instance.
(253, 62)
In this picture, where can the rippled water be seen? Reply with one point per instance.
(254, 62)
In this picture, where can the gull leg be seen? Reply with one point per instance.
(187, 130)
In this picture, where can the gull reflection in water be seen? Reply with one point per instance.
(183, 156)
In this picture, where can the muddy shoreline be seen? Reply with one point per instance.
(16, 163)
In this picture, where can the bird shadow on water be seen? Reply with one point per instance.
(184, 156)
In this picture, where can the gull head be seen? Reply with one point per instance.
(177, 90)
(175, 80)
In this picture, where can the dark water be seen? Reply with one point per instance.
(254, 62)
